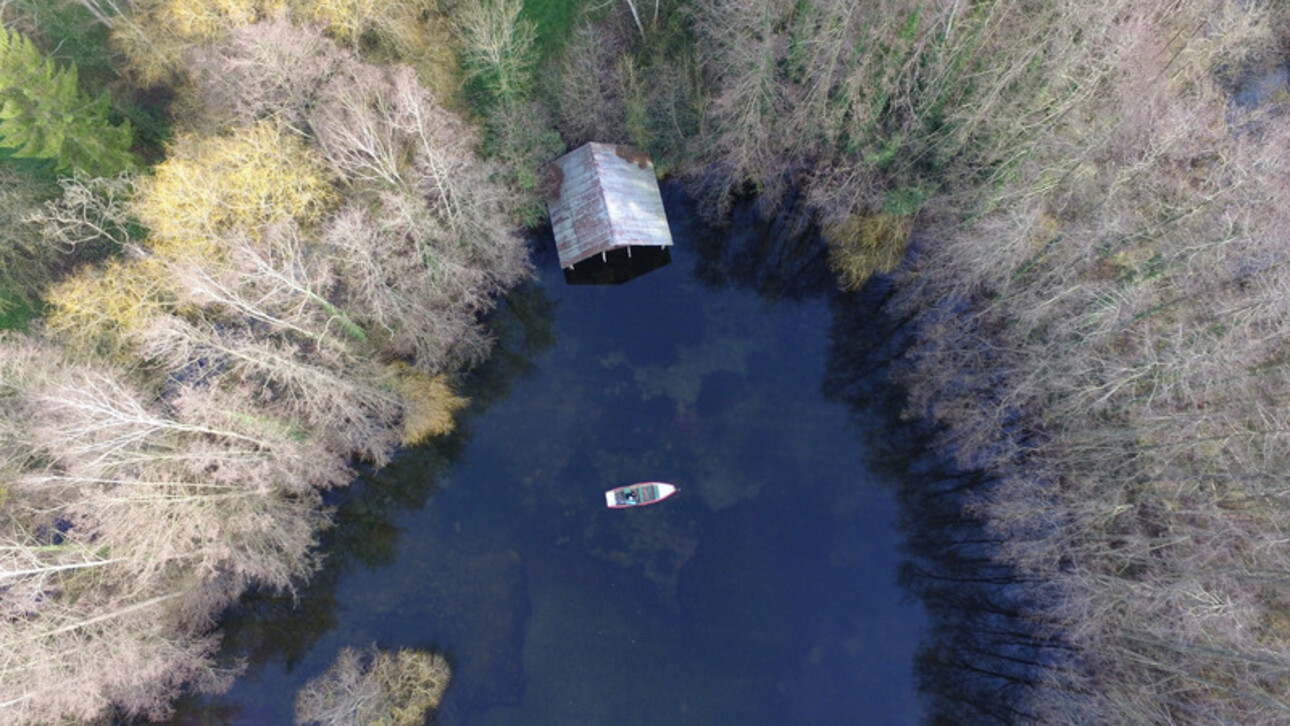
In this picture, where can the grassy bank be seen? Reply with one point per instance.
(554, 22)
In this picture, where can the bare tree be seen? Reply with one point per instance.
(90, 618)
(344, 401)
(26, 260)
(636, 16)
(378, 126)
(589, 87)
(419, 292)
(270, 70)
(431, 235)
(92, 211)
(76, 662)
(1104, 339)
(356, 129)
(744, 45)
(497, 45)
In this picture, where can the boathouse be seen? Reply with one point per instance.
(604, 198)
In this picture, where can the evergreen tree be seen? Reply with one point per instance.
(45, 115)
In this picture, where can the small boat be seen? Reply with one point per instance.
(638, 495)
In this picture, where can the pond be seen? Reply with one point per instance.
(763, 593)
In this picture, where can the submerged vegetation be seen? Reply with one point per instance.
(263, 252)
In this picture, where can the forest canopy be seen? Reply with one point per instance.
(290, 288)
(260, 251)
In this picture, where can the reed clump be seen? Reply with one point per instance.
(863, 245)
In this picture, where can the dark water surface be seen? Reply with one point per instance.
(763, 593)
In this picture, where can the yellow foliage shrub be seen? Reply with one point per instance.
(207, 19)
(864, 244)
(377, 687)
(153, 57)
(211, 186)
(430, 404)
(160, 32)
(414, 680)
(415, 32)
(345, 20)
(431, 48)
(102, 309)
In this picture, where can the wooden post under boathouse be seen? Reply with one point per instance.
(602, 198)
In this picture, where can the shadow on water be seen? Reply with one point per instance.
(618, 266)
(780, 258)
(980, 656)
(270, 628)
(764, 593)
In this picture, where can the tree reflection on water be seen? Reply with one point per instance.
(980, 656)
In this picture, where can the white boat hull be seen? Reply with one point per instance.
(639, 495)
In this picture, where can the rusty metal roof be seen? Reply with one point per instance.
(601, 197)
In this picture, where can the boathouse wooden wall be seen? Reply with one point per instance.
(602, 197)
